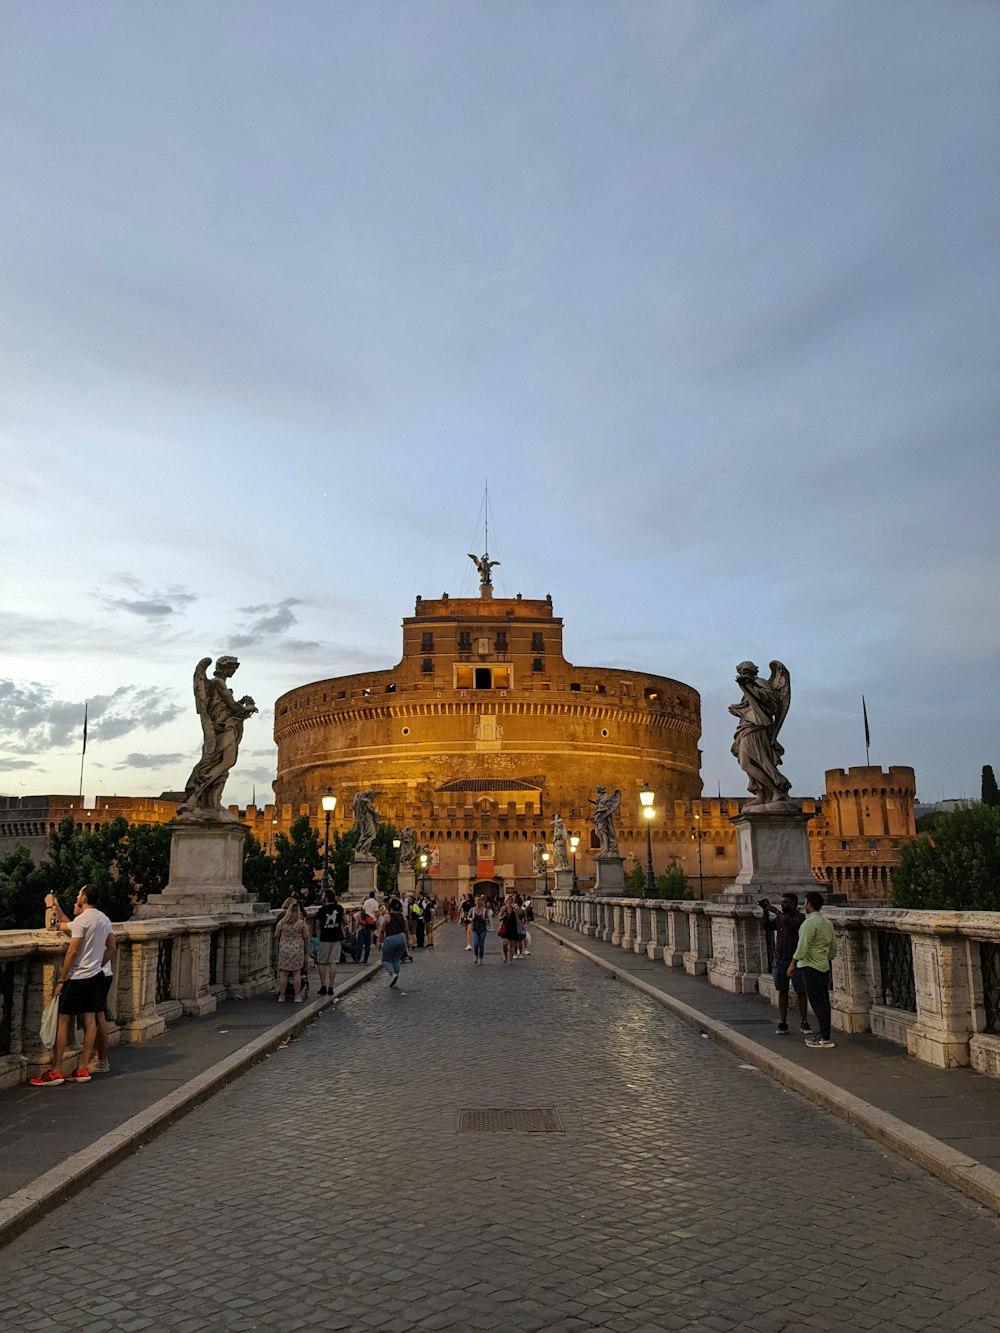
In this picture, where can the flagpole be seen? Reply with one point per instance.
(84, 750)
(868, 738)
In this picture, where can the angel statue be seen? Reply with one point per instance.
(366, 823)
(407, 847)
(484, 564)
(222, 717)
(560, 854)
(603, 820)
(538, 862)
(761, 712)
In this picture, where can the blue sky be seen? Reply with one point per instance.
(708, 290)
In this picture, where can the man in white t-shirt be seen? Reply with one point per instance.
(79, 987)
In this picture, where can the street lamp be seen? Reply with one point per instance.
(396, 844)
(329, 803)
(646, 801)
(423, 873)
(545, 874)
(574, 842)
(698, 832)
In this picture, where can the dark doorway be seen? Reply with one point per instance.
(484, 678)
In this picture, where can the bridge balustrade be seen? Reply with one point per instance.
(929, 981)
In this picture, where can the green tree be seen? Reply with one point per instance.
(297, 857)
(123, 862)
(673, 883)
(957, 866)
(990, 790)
(20, 895)
(258, 870)
(635, 879)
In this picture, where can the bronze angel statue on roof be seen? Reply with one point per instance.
(222, 717)
(761, 712)
(485, 566)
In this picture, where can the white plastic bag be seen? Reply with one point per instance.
(50, 1022)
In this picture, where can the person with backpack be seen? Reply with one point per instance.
(328, 927)
(481, 918)
(366, 924)
(418, 921)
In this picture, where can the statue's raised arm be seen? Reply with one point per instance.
(222, 717)
(761, 712)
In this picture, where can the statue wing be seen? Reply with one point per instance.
(781, 683)
(614, 802)
(201, 702)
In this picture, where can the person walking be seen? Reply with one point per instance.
(468, 902)
(292, 934)
(816, 947)
(481, 918)
(366, 920)
(79, 985)
(509, 928)
(786, 937)
(392, 939)
(328, 927)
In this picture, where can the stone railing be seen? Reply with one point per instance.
(164, 968)
(929, 981)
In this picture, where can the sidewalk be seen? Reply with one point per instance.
(56, 1139)
(948, 1120)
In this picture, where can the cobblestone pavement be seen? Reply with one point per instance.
(329, 1189)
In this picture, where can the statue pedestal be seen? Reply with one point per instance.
(406, 882)
(206, 874)
(773, 853)
(564, 881)
(610, 879)
(362, 878)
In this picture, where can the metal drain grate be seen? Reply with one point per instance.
(509, 1120)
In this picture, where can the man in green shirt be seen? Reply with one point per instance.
(816, 947)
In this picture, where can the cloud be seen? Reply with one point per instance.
(150, 604)
(151, 761)
(33, 721)
(11, 764)
(270, 620)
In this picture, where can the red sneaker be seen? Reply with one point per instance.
(51, 1079)
(78, 1076)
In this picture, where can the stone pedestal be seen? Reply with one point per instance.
(362, 877)
(406, 882)
(610, 881)
(564, 881)
(772, 848)
(206, 874)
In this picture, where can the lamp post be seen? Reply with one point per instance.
(697, 832)
(396, 844)
(574, 843)
(423, 873)
(545, 874)
(329, 805)
(646, 802)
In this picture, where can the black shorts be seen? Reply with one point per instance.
(82, 997)
(104, 992)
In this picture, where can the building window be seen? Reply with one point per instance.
(427, 665)
(719, 851)
(465, 641)
(427, 642)
(501, 641)
(484, 678)
(537, 642)
(390, 688)
(575, 685)
(650, 694)
(537, 664)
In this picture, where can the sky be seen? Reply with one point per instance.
(706, 289)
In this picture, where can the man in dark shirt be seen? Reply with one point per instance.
(328, 927)
(786, 937)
